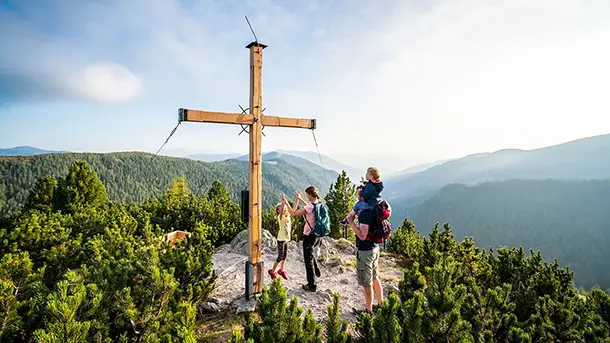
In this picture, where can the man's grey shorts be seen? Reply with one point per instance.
(367, 265)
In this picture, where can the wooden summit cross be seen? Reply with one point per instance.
(256, 121)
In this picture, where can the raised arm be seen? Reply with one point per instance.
(299, 198)
(295, 204)
(293, 211)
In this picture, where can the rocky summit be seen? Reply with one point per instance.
(337, 262)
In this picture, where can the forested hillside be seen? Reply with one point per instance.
(329, 163)
(451, 291)
(135, 177)
(76, 267)
(581, 159)
(569, 220)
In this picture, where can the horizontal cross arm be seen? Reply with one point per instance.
(215, 117)
(298, 123)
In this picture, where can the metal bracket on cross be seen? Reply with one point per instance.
(243, 127)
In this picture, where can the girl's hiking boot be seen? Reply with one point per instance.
(282, 274)
(272, 274)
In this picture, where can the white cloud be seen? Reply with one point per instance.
(104, 82)
(35, 66)
(425, 80)
(467, 76)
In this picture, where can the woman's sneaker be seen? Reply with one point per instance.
(306, 287)
(272, 274)
(282, 274)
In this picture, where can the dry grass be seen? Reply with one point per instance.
(218, 327)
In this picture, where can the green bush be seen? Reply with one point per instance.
(280, 320)
(78, 268)
(454, 292)
(406, 241)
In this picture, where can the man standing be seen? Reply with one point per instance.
(367, 256)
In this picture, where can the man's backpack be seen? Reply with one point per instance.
(322, 220)
(381, 228)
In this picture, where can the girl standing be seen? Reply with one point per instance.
(284, 223)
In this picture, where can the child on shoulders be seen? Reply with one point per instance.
(371, 192)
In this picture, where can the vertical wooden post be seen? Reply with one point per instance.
(255, 176)
(255, 120)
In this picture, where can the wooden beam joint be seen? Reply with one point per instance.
(297, 123)
(215, 117)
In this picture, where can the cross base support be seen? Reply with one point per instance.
(254, 278)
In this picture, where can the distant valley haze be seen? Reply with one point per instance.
(392, 167)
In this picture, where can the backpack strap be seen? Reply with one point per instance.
(314, 216)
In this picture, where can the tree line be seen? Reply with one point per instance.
(136, 177)
(567, 220)
(78, 267)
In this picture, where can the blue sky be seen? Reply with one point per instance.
(420, 80)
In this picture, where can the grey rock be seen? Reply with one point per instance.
(345, 281)
(345, 246)
(334, 261)
(242, 305)
(328, 293)
(239, 244)
(216, 301)
(208, 307)
(392, 288)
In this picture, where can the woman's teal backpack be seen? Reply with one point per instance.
(322, 220)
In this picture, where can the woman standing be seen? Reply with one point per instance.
(309, 238)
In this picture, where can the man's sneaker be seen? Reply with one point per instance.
(272, 274)
(282, 274)
(358, 312)
(306, 287)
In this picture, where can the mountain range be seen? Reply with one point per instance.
(566, 220)
(27, 151)
(321, 160)
(585, 158)
(552, 199)
(415, 169)
(212, 157)
(313, 157)
(136, 176)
